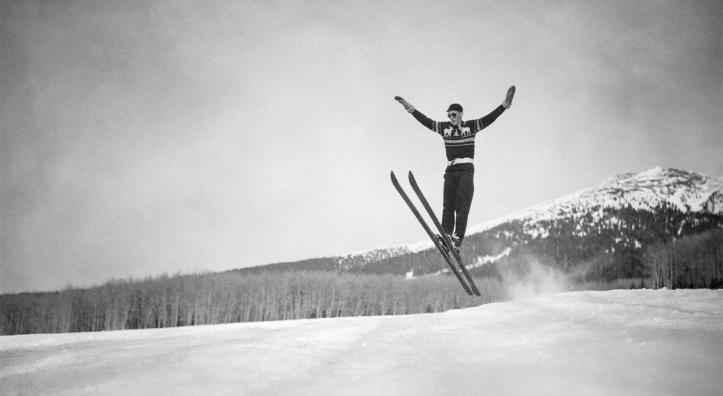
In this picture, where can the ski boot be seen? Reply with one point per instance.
(455, 243)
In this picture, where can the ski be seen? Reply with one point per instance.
(444, 235)
(431, 235)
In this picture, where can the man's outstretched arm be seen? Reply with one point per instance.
(423, 119)
(485, 121)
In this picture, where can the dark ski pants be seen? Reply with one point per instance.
(458, 192)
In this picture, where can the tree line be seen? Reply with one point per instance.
(693, 261)
(232, 296)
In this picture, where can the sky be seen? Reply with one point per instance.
(150, 137)
(621, 342)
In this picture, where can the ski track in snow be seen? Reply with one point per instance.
(624, 342)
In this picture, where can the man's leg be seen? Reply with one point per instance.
(450, 200)
(465, 192)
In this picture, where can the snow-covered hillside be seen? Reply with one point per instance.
(685, 191)
(625, 342)
(644, 191)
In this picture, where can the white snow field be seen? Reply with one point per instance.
(622, 342)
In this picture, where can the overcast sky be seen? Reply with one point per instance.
(143, 137)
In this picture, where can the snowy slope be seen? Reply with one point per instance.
(625, 342)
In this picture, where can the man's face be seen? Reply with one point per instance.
(455, 117)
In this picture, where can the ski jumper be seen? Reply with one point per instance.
(459, 175)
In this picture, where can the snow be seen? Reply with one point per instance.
(420, 246)
(624, 342)
(484, 260)
(653, 173)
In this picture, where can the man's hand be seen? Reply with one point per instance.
(407, 106)
(508, 99)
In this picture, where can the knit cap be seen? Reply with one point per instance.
(455, 107)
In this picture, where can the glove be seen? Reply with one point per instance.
(407, 106)
(508, 99)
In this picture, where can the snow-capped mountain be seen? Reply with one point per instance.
(646, 191)
(618, 218)
(625, 227)
(649, 191)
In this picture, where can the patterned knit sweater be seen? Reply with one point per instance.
(459, 139)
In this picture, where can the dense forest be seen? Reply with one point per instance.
(233, 297)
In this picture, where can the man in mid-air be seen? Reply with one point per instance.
(458, 138)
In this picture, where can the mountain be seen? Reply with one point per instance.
(614, 230)
(648, 191)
